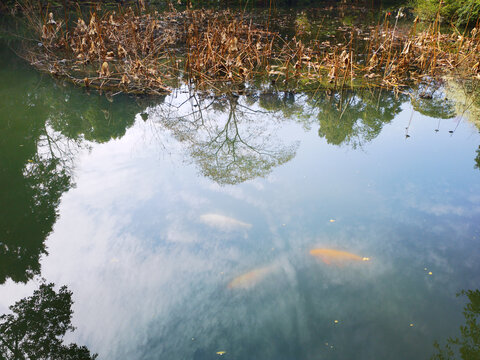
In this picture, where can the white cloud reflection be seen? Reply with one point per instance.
(148, 275)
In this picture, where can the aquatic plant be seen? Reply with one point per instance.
(150, 52)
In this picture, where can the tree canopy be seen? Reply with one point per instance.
(35, 328)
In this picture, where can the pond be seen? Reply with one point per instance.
(184, 225)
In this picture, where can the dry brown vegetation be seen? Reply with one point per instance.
(148, 53)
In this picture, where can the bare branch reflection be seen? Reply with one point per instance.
(230, 140)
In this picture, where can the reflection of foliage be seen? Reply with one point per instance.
(230, 137)
(29, 218)
(286, 104)
(42, 128)
(466, 95)
(233, 145)
(352, 118)
(430, 102)
(477, 159)
(37, 325)
(94, 118)
(467, 346)
(32, 177)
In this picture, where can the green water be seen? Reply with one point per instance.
(152, 211)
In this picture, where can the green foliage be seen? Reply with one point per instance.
(467, 346)
(459, 12)
(36, 326)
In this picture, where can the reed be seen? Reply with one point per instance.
(147, 52)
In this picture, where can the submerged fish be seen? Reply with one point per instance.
(224, 223)
(251, 278)
(330, 255)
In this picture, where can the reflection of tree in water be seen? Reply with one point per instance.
(77, 115)
(231, 138)
(290, 105)
(432, 101)
(37, 325)
(467, 346)
(230, 141)
(466, 96)
(42, 128)
(355, 117)
(31, 182)
(477, 159)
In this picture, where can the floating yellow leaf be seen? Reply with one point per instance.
(335, 321)
(430, 273)
(411, 325)
(221, 352)
(332, 220)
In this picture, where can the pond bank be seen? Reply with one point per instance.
(150, 52)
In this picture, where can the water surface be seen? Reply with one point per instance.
(183, 224)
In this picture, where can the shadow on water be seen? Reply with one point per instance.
(467, 345)
(36, 326)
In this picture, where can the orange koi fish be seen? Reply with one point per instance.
(336, 256)
(251, 278)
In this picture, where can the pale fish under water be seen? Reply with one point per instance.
(251, 278)
(223, 222)
(329, 256)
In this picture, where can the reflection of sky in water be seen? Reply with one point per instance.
(148, 246)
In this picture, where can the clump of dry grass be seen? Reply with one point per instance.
(227, 50)
(138, 52)
(387, 57)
